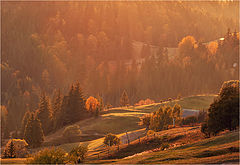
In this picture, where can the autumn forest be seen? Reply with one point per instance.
(109, 54)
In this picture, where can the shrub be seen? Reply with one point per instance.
(109, 139)
(49, 156)
(78, 154)
(145, 102)
(71, 131)
(19, 148)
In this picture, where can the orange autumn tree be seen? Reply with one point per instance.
(92, 105)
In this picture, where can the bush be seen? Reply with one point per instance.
(71, 131)
(109, 139)
(78, 154)
(145, 102)
(19, 148)
(49, 156)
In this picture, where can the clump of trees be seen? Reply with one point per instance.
(78, 154)
(59, 156)
(15, 148)
(162, 118)
(223, 113)
(145, 102)
(111, 139)
(49, 156)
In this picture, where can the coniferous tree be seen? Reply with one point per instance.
(76, 103)
(9, 151)
(33, 133)
(44, 113)
(124, 101)
(57, 103)
(73, 106)
(64, 116)
(24, 122)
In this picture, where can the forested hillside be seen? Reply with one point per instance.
(48, 46)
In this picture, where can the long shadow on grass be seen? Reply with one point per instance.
(212, 142)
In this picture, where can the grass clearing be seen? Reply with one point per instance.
(219, 149)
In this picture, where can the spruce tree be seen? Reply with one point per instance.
(124, 101)
(57, 103)
(44, 113)
(33, 133)
(24, 122)
(76, 103)
(11, 150)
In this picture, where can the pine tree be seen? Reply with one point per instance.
(11, 150)
(33, 133)
(124, 101)
(57, 103)
(73, 106)
(76, 103)
(44, 113)
(24, 122)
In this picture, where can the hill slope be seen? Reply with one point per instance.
(122, 119)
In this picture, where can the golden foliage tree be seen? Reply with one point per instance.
(92, 104)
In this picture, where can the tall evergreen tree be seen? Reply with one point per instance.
(33, 133)
(73, 106)
(44, 113)
(24, 122)
(57, 103)
(124, 101)
(9, 151)
(76, 103)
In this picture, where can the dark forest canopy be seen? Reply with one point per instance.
(151, 50)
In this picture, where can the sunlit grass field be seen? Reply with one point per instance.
(219, 149)
(118, 121)
(122, 119)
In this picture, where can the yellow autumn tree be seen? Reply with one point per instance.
(92, 104)
(186, 46)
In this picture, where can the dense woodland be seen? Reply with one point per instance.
(48, 46)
